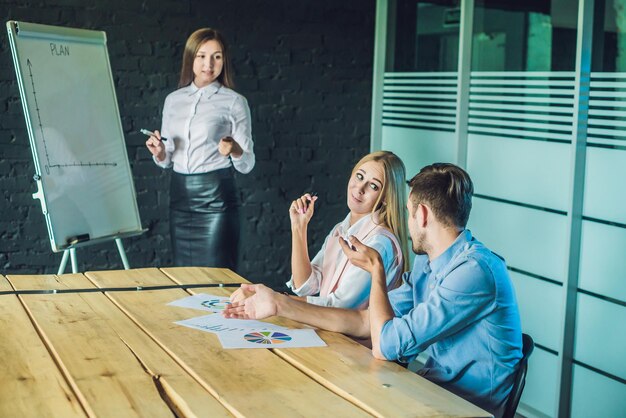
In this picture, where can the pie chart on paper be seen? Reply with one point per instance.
(216, 304)
(267, 337)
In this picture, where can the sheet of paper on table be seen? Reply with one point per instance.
(289, 338)
(203, 302)
(243, 333)
(217, 324)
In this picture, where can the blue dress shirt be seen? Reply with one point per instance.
(461, 309)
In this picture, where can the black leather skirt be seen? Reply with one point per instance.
(204, 219)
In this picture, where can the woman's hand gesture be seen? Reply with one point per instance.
(228, 146)
(301, 211)
(155, 146)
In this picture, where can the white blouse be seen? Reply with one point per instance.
(353, 287)
(194, 121)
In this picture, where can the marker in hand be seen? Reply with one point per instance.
(147, 132)
(313, 195)
(313, 198)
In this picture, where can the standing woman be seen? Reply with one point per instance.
(208, 131)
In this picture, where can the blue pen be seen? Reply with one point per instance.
(147, 132)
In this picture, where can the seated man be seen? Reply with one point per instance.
(457, 304)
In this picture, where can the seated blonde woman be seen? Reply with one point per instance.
(376, 198)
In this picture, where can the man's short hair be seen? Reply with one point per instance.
(447, 189)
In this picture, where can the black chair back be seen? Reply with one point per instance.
(528, 346)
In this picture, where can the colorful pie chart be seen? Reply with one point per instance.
(267, 337)
(216, 304)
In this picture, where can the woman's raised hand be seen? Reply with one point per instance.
(155, 146)
(301, 210)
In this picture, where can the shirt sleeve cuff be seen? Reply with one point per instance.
(389, 344)
(166, 163)
(392, 336)
(245, 163)
(303, 290)
(317, 300)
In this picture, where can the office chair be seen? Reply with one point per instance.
(520, 377)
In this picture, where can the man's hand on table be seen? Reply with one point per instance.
(252, 301)
(241, 294)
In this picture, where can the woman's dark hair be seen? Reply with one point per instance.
(192, 45)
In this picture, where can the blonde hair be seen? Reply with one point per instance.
(391, 202)
(193, 44)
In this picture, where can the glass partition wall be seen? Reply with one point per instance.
(530, 97)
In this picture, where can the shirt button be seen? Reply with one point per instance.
(432, 286)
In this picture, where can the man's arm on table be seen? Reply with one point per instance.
(263, 302)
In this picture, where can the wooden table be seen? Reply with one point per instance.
(117, 353)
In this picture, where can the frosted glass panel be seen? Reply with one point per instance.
(603, 260)
(600, 337)
(534, 172)
(529, 239)
(605, 189)
(597, 396)
(418, 148)
(541, 309)
(541, 382)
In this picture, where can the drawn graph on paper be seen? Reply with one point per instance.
(82, 172)
(57, 134)
(216, 304)
(267, 337)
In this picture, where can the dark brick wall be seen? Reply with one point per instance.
(305, 68)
